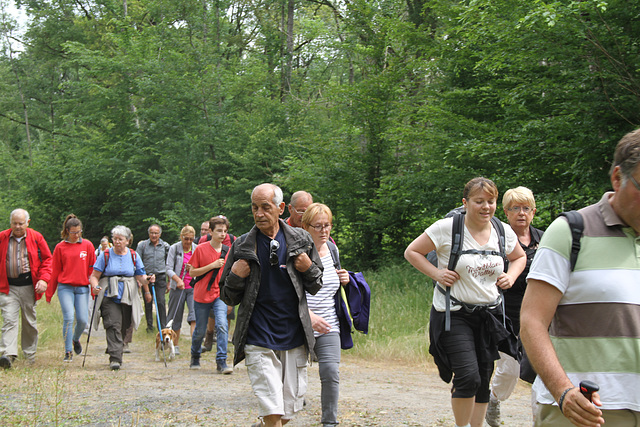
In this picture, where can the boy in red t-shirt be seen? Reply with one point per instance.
(207, 262)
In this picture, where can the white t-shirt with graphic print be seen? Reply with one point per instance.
(478, 273)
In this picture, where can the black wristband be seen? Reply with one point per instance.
(561, 400)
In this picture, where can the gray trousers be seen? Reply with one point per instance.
(327, 350)
(19, 299)
(116, 319)
(160, 286)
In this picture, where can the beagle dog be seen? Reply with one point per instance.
(168, 335)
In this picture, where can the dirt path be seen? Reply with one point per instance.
(144, 392)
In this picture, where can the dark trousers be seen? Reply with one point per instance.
(116, 319)
(471, 376)
(160, 286)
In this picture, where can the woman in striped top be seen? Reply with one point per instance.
(317, 220)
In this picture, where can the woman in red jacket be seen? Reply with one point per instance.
(73, 260)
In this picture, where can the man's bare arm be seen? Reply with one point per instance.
(538, 308)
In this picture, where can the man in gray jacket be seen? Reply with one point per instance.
(153, 253)
(267, 272)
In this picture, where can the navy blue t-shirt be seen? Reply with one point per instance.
(275, 322)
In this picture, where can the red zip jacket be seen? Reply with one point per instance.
(72, 265)
(40, 264)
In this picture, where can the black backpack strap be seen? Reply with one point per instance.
(223, 254)
(576, 224)
(457, 238)
(497, 224)
(333, 250)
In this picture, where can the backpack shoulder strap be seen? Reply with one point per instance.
(333, 249)
(457, 238)
(223, 253)
(497, 224)
(576, 224)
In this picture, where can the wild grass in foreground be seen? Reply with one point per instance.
(399, 318)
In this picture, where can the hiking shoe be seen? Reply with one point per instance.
(176, 350)
(493, 412)
(126, 349)
(222, 368)
(77, 347)
(195, 363)
(6, 361)
(114, 366)
(208, 342)
(68, 356)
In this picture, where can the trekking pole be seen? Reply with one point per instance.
(155, 302)
(587, 388)
(86, 347)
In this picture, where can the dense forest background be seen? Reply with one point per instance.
(139, 111)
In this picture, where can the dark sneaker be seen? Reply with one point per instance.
(77, 347)
(195, 363)
(68, 356)
(493, 412)
(222, 368)
(6, 361)
(114, 366)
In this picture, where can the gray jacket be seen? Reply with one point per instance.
(174, 262)
(235, 290)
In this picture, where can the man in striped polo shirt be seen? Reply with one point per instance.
(585, 324)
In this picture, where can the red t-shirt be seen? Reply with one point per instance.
(72, 265)
(205, 255)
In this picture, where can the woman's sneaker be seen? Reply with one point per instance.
(68, 356)
(77, 347)
(493, 412)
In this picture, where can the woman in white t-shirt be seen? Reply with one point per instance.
(467, 352)
(317, 220)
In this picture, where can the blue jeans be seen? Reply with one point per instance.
(222, 332)
(73, 297)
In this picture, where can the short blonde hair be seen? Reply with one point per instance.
(187, 229)
(519, 195)
(313, 211)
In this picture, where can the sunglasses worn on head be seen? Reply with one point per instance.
(273, 252)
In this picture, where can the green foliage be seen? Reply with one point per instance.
(156, 111)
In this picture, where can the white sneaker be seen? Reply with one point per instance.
(493, 412)
(176, 350)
